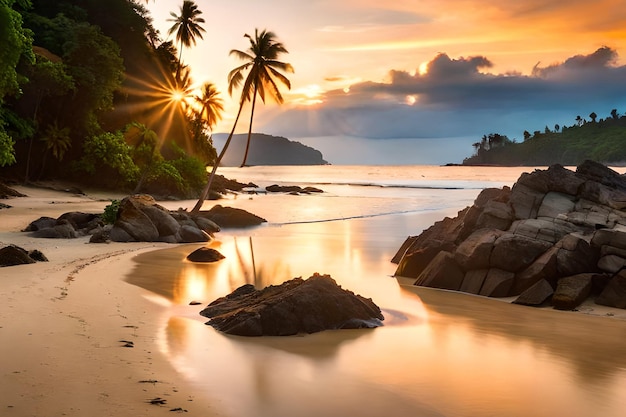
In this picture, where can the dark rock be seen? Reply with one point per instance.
(207, 225)
(102, 235)
(62, 230)
(513, 252)
(37, 255)
(614, 294)
(536, 295)
(205, 255)
(221, 184)
(134, 221)
(41, 223)
(543, 268)
(191, 234)
(572, 291)
(283, 188)
(79, 220)
(232, 217)
(161, 219)
(442, 272)
(14, 255)
(556, 178)
(312, 190)
(473, 281)
(497, 283)
(4, 206)
(441, 236)
(475, 251)
(296, 306)
(7, 192)
(601, 173)
(117, 234)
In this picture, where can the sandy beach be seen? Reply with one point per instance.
(76, 339)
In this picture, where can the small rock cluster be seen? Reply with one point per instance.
(292, 189)
(293, 307)
(141, 219)
(12, 255)
(556, 236)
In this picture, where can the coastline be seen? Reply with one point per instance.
(65, 324)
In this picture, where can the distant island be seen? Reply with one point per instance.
(267, 150)
(602, 140)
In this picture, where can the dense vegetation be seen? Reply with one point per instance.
(602, 140)
(90, 92)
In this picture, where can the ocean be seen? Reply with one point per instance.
(438, 354)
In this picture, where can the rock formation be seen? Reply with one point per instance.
(555, 235)
(296, 306)
(141, 219)
(14, 255)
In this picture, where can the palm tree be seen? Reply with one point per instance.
(264, 71)
(187, 27)
(211, 104)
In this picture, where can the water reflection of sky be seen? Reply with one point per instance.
(439, 354)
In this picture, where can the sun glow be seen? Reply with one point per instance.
(308, 95)
(423, 68)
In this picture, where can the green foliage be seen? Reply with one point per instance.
(7, 154)
(15, 42)
(107, 160)
(603, 141)
(110, 212)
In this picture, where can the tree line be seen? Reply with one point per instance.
(90, 90)
(601, 139)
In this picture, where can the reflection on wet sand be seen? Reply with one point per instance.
(439, 353)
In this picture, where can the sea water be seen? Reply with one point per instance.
(438, 354)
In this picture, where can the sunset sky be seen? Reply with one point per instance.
(419, 81)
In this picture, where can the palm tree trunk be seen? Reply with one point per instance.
(205, 191)
(245, 155)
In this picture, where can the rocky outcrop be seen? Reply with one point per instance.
(294, 307)
(292, 189)
(556, 236)
(140, 219)
(14, 255)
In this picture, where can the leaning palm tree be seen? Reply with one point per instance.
(263, 73)
(187, 27)
(264, 69)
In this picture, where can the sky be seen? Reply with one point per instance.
(417, 81)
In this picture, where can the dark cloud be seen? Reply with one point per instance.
(459, 97)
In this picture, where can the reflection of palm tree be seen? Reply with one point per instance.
(187, 27)
(264, 68)
(264, 72)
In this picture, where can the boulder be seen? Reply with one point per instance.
(191, 234)
(554, 204)
(442, 272)
(41, 223)
(495, 215)
(62, 230)
(614, 294)
(206, 225)
(294, 307)
(525, 201)
(475, 251)
(134, 221)
(536, 295)
(572, 291)
(161, 219)
(497, 283)
(473, 281)
(556, 178)
(512, 252)
(205, 255)
(275, 188)
(543, 268)
(232, 217)
(611, 263)
(14, 255)
(80, 220)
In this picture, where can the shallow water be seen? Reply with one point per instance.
(439, 353)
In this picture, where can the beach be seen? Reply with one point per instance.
(108, 329)
(65, 324)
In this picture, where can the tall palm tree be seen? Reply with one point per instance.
(264, 72)
(204, 119)
(187, 27)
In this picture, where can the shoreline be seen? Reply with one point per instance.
(66, 324)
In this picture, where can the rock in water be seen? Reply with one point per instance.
(295, 306)
(205, 255)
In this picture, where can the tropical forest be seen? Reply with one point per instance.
(599, 139)
(91, 92)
